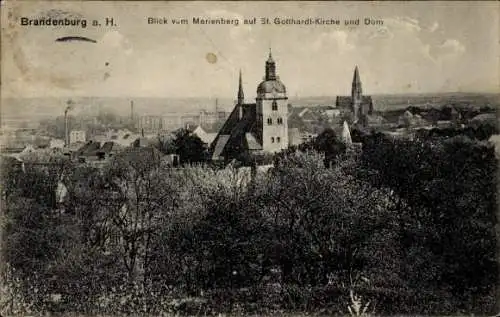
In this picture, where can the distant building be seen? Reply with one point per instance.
(92, 151)
(150, 124)
(306, 136)
(297, 137)
(360, 106)
(205, 137)
(77, 136)
(174, 121)
(171, 122)
(56, 143)
(332, 113)
(294, 136)
(123, 137)
(256, 127)
(18, 151)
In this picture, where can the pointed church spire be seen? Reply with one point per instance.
(270, 58)
(356, 94)
(356, 85)
(241, 95)
(356, 75)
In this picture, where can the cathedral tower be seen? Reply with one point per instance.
(356, 94)
(272, 110)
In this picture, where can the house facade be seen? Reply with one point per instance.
(76, 136)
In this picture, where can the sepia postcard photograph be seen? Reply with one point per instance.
(249, 158)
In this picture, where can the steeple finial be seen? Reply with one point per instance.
(270, 58)
(270, 67)
(356, 76)
(241, 95)
(356, 82)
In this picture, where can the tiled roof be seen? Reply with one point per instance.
(108, 147)
(138, 156)
(89, 149)
(232, 133)
(346, 101)
(220, 145)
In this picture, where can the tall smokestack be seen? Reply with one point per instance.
(66, 136)
(131, 110)
(66, 125)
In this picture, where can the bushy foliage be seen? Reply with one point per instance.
(326, 143)
(445, 190)
(189, 147)
(408, 228)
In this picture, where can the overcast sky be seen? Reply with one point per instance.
(421, 47)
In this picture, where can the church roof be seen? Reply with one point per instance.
(268, 86)
(236, 130)
(346, 101)
(220, 145)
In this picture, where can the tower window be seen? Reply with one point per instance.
(278, 139)
(280, 120)
(275, 105)
(269, 121)
(272, 139)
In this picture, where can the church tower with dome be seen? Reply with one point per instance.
(272, 109)
(253, 128)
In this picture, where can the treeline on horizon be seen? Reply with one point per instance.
(407, 225)
(120, 106)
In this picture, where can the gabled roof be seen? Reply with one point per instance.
(296, 110)
(143, 157)
(89, 149)
(75, 147)
(220, 145)
(109, 147)
(192, 127)
(303, 112)
(209, 138)
(234, 129)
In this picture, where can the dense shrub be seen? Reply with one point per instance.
(409, 226)
(445, 188)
